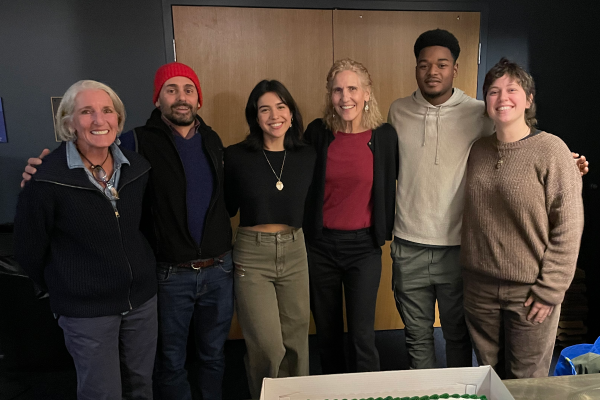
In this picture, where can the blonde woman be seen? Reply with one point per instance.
(349, 215)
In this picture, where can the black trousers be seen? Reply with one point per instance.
(348, 260)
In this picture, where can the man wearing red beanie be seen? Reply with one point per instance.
(188, 226)
(190, 232)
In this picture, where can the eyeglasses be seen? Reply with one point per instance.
(100, 175)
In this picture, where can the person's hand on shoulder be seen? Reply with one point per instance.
(30, 167)
(582, 164)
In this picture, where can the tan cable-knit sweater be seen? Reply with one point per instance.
(523, 221)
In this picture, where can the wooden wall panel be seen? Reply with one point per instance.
(383, 41)
(232, 49)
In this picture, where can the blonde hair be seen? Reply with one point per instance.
(370, 119)
(64, 115)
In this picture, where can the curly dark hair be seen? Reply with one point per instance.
(293, 137)
(437, 37)
(523, 78)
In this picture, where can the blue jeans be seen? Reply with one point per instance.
(204, 296)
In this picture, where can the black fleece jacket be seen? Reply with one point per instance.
(384, 144)
(69, 239)
(167, 227)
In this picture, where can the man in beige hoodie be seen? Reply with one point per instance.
(436, 127)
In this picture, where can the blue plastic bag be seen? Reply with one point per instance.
(565, 365)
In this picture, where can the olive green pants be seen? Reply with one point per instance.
(272, 303)
(422, 275)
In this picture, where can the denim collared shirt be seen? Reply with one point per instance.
(74, 161)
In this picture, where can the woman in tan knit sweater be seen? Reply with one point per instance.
(522, 227)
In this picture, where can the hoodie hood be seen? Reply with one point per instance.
(431, 111)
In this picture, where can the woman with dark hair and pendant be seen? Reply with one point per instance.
(349, 215)
(522, 226)
(77, 234)
(267, 177)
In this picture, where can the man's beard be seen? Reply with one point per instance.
(180, 120)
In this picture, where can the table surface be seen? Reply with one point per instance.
(574, 387)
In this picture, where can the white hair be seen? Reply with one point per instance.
(64, 116)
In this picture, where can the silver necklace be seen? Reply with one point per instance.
(279, 184)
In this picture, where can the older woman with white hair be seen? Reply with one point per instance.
(77, 235)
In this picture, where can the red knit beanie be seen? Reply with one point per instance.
(170, 70)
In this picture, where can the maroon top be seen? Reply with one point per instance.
(348, 202)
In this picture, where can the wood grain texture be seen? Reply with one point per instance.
(232, 49)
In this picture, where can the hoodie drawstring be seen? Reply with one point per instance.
(437, 145)
(438, 120)
(425, 126)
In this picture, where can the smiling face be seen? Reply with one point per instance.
(435, 73)
(178, 101)
(274, 117)
(506, 102)
(349, 97)
(94, 120)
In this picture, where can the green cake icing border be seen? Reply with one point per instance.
(431, 397)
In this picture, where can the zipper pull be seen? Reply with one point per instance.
(116, 212)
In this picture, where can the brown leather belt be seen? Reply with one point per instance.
(200, 263)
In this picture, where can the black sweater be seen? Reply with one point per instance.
(250, 184)
(166, 195)
(69, 239)
(384, 144)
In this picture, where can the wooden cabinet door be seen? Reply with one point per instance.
(232, 49)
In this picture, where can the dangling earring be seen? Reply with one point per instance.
(333, 112)
(366, 106)
(291, 122)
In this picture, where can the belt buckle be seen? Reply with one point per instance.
(193, 265)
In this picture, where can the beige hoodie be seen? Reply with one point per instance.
(434, 144)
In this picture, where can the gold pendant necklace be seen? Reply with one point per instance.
(279, 184)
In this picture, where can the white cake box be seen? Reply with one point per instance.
(475, 380)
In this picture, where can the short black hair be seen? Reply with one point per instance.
(437, 37)
(293, 137)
